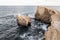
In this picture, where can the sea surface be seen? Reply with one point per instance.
(9, 30)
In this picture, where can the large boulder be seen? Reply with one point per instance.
(53, 32)
(44, 13)
(23, 20)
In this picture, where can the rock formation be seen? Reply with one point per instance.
(47, 15)
(23, 20)
(44, 14)
(52, 16)
(53, 32)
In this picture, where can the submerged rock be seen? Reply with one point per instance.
(23, 20)
(44, 14)
(53, 32)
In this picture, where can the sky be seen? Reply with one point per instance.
(30, 2)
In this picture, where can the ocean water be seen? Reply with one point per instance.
(9, 30)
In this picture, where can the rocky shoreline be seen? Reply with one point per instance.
(47, 15)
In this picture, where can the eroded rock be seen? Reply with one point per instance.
(44, 14)
(53, 32)
(23, 20)
(56, 20)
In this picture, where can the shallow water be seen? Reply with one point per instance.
(9, 30)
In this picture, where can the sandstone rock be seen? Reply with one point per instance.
(44, 14)
(55, 17)
(23, 20)
(48, 34)
(52, 11)
(53, 32)
(56, 20)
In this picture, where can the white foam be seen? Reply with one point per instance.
(44, 27)
(23, 36)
